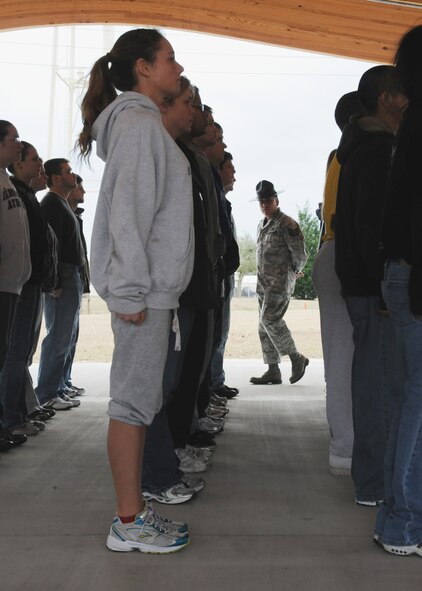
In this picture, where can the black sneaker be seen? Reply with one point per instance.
(39, 415)
(6, 442)
(16, 439)
(227, 392)
(50, 411)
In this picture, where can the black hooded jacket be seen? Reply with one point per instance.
(365, 155)
(402, 228)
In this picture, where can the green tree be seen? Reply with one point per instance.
(247, 250)
(309, 225)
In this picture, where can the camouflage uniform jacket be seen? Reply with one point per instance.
(280, 254)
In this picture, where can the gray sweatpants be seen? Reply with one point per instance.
(136, 379)
(337, 348)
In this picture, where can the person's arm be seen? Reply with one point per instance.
(371, 182)
(414, 171)
(54, 215)
(132, 191)
(296, 245)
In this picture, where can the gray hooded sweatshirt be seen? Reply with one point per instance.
(15, 258)
(142, 240)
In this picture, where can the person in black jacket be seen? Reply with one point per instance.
(364, 154)
(399, 521)
(13, 377)
(76, 199)
(61, 304)
(163, 480)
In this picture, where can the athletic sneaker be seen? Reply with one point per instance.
(39, 415)
(26, 428)
(203, 453)
(79, 391)
(193, 482)
(57, 403)
(403, 550)
(217, 412)
(38, 424)
(148, 533)
(70, 393)
(218, 400)
(73, 401)
(210, 425)
(174, 495)
(177, 528)
(366, 503)
(190, 463)
(51, 412)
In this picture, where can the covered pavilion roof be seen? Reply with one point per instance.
(360, 29)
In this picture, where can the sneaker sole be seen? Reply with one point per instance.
(403, 550)
(193, 469)
(339, 471)
(164, 501)
(269, 383)
(369, 504)
(120, 546)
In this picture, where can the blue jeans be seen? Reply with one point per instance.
(399, 520)
(67, 370)
(368, 396)
(218, 375)
(13, 376)
(59, 320)
(161, 465)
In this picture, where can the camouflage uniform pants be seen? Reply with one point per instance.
(276, 339)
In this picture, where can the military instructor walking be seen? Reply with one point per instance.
(280, 257)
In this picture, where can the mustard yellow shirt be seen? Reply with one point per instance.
(330, 198)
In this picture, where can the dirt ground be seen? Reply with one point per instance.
(96, 339)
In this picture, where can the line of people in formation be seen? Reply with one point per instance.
(163, 257)
(368, 276)
(164, 240)
(42, 250)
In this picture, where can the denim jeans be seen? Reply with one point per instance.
(399, 520)
(13, 376)
(368, 396)
(218, 375)
(8, 302)
(67, 370)
(59, 316)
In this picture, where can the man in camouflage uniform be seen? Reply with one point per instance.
(281, 257)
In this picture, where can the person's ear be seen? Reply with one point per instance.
(384, 100)
(142, 68)
(164, 108)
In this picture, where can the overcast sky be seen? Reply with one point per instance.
(275, 105)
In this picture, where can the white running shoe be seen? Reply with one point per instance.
(403, 550)
(57, 403)
(148, 533)
(73, 401)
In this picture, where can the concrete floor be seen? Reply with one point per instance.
(270, 518)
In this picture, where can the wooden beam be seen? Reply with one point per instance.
(352, 28)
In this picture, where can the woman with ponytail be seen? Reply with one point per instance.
(141, 258)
